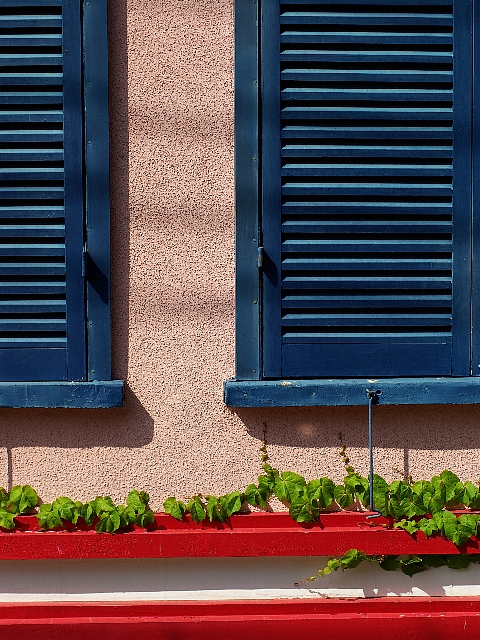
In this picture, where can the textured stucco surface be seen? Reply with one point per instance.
(173, 302)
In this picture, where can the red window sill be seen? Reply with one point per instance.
(254, 534)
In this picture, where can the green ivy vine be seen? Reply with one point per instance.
(424, 505)
(408, 564)
(414, 506)
(102, 512)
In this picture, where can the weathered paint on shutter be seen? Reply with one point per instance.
(41, 193)
(366, 187)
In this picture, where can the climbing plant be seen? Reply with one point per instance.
(102, 512)
(408, 564)
(423, 505)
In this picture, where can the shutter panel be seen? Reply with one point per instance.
(359, 204)
(41, 201)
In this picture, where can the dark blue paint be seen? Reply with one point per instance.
(247, 328)
(97, 188)
(476, 205)
(70, 395)
(462, 185)
(350, 392)
(74, 198)
(271, 187)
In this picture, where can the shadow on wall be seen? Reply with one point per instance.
(434, 429)
(130, 426)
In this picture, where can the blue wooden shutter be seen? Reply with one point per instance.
(42, 335)
(366, 187)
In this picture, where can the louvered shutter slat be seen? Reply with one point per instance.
(370, 19)
(361, 260)
(351, 151)
(298, 132)
(13, 155)
(30, 40)
(366, 283)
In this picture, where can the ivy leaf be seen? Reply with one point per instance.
(466, 527)
(453, 487)
(301, 511)
(400, 502)
(22, 499)
(232, 503)
(196, 508)
(471, 495)
(322, 490)
(174, 507)
(411, 526)
(103, 504)
(265, 486)
(422, 486)
(469, 520)
(446, 523)
(413, 565)
(215, 509)
(380, 495)
(15, 496)
(109, 522)
(7, 519)
(144, 497)
(398, 509)
(64, 502)
(458, 562)
(255, 497)
(414, 506)
(459, 496)
(343, 497)
(428, 526)
(436, 504)
(352, 559)
(290, 485)
(400, 490)
(435, 560)
(88, 512)
(390, 563)
(280, 490)
(363, 491)
(332, 565)
(4, 498)
(48, 517)
(127, 515)
(271, 476)
(358, 486)
(138, 501)
(67, 509)
(145, 519)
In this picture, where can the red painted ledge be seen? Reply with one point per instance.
(416, 618)
(253, 534)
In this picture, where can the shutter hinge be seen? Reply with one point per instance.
(84, 262)
(260, 257)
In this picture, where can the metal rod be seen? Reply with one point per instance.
(371, 397)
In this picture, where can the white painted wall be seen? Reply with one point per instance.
(217, 579)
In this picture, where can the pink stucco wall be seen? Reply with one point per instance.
(173, 302)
